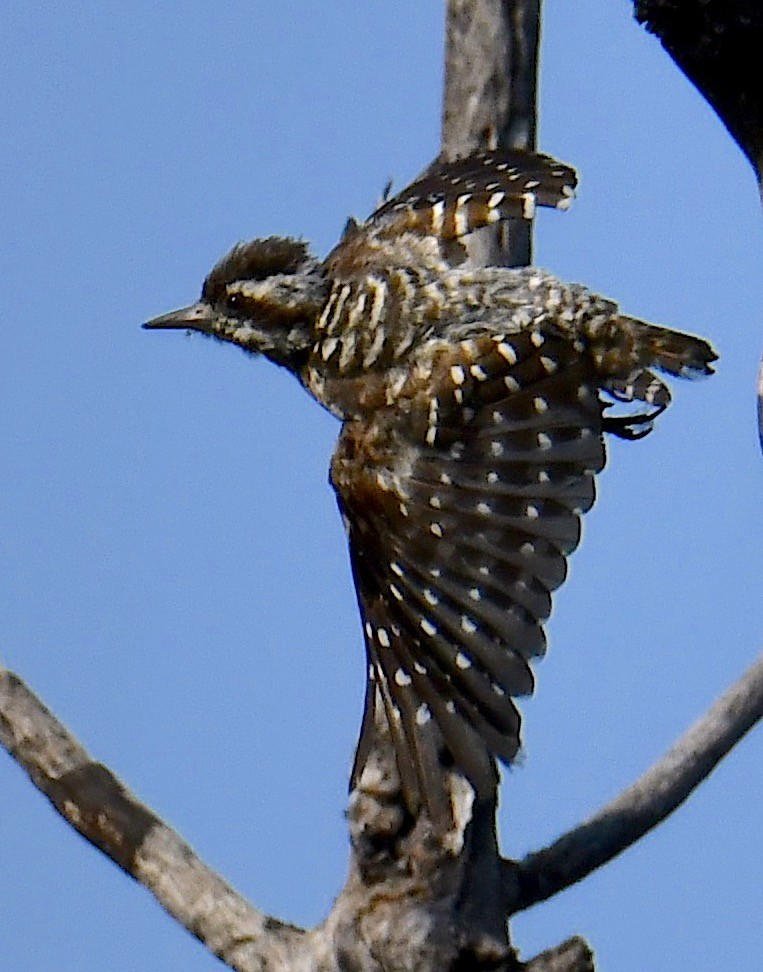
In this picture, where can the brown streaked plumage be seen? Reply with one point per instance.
(474, 405)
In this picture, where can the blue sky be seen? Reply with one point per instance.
(175, 580)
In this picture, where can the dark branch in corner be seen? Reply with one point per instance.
(717, 44)
(90, 798)
(646, 803)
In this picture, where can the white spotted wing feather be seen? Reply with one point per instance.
(462, 511)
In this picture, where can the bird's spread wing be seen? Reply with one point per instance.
(460, 523)
(484, 188)
(452, 200)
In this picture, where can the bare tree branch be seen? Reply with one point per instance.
(646, 803)
(574, 955)
(490, 99)
(426, 898)
(490, 75)
(90, 798)
(397, 910)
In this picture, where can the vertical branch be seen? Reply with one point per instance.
(448, 893)
(490, 100)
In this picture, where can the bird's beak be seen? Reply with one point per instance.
(197, 317)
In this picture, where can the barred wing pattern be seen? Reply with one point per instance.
(454, 198)
(459, 530)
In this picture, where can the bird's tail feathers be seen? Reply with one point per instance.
(674, 352)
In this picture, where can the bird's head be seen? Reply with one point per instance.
(263, 296)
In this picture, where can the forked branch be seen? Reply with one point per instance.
(93, 801)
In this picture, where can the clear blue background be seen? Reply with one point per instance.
(175, 584)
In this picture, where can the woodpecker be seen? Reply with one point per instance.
(474, 403)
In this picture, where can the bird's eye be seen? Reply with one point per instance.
(233, 300)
